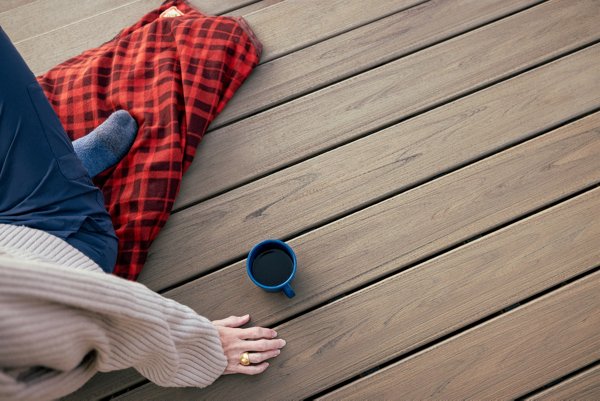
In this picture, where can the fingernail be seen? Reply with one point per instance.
(274, 334)
(283, 343)
(277, 352)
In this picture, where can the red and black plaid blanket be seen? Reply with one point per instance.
(174, 73)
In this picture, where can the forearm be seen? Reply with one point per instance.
(124, 323)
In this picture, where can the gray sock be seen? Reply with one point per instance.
(107, 144)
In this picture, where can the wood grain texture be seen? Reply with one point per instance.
(356, 51)
(220, 6)
(583, 387)
(42, 16)
(102, 385)
(410, 309)
(47, 50)
(11, 5)
(204, 236)
(296, 130)
(253, 7)
(502, 358)
(409, 227)
(291, 25)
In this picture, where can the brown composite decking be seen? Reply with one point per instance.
(435, 165)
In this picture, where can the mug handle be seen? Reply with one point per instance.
(287, 289)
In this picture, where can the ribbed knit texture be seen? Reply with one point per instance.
(26, 243)
(59, 311)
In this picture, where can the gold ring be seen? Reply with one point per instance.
(245, 359)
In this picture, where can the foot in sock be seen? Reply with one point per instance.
(107, 144)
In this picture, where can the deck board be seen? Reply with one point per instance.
(432, 299)
(279, 29)
(583, 386)
(358, 50)
(502, 359)
(334, 183)
(46, 50)
(220, 6)
(431, 162)
(11, 5)
(415, 224)
(301, 128)
(250, 8)
(23, 24)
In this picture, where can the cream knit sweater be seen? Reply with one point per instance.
(62, 320)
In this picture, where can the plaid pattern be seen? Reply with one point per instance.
(173, 75)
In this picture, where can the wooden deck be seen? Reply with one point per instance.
(435, 165)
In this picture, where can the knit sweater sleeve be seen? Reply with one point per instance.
(76, 322)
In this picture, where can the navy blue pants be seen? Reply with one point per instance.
(43, 185)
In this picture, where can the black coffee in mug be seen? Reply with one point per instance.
(272, 267)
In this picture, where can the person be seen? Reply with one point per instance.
(62, 318)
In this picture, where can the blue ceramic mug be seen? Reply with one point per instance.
(271, 265)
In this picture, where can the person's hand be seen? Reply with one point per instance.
(259, 342)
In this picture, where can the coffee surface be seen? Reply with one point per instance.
(272, 267)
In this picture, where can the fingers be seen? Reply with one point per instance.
(258, 357)
(263, 345)
(256, 333)
(250, 369)
(252, 333)
(259, 342)
(232, 321)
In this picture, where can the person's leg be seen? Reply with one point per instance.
(43, 185)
